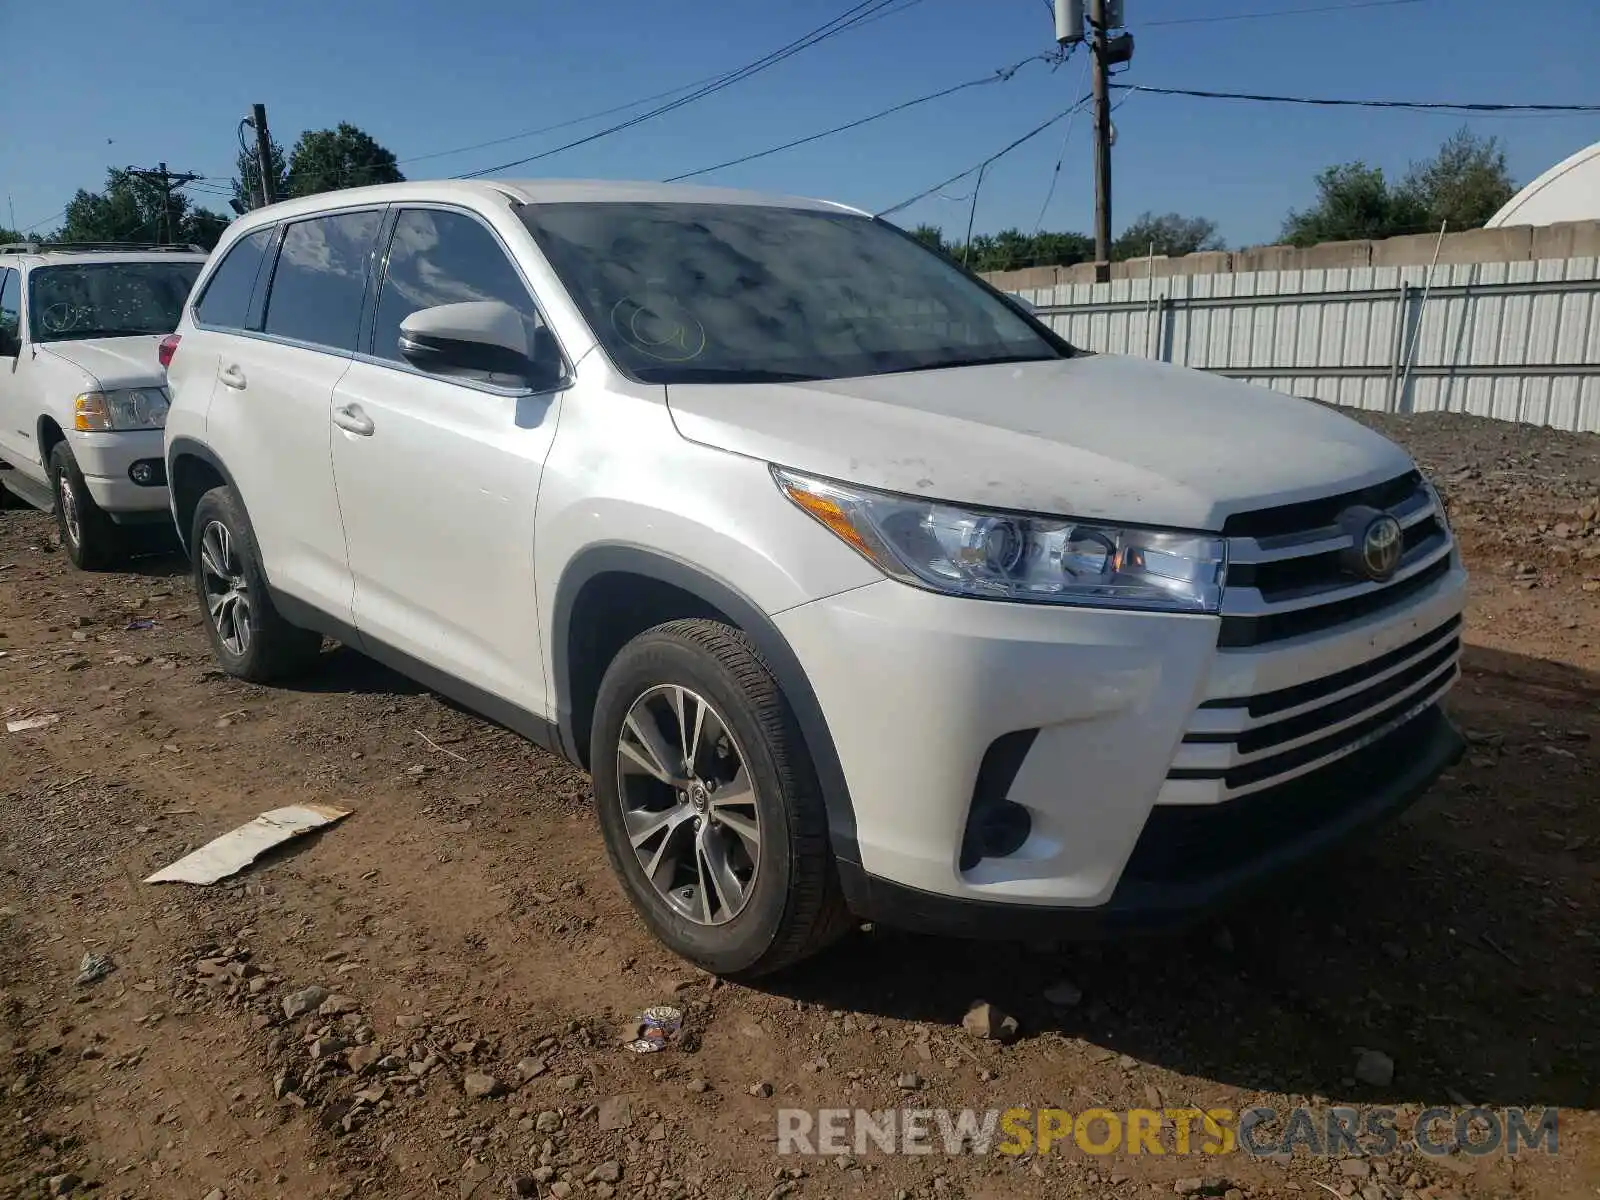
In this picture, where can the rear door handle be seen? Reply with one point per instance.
(352, 419)
(231, 376)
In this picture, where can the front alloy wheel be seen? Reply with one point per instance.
(688, 804)
(227, 589)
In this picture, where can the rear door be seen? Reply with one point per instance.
(16, 419)
(269, 417)
(438, 477)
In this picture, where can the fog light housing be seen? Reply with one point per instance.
(148, 472)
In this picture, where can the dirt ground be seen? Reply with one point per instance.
(465, 925)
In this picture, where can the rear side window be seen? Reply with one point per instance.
(226, 302)
(10, 304)
(321, 275)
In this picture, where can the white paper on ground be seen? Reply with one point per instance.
(237, 849)
(28, 723)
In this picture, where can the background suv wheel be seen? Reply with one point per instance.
(90, 538)
(709, 804)
(250, 639)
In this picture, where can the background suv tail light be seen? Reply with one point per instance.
(168, 347)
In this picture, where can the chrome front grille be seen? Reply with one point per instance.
(1234, 746)
(1286, 575)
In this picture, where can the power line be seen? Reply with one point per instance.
(1411, 105)
(995, 157)
(1066, 138)
(851, 17)
(1280, 12)
(1000, 76)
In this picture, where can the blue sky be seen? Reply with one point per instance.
(116, 83)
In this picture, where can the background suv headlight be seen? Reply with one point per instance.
(996, 555)
(127, 408)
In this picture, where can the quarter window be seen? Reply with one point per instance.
(10, 310)
(439, 257)
(226, 302)
(320, 278)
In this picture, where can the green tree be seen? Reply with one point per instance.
(7, 236)
(931, 235)
(1170, 233)
(1353, 201)
(324, 160)
(132, 209)
(1465, 184)
(247, 175)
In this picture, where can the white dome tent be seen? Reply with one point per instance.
(1568, 191)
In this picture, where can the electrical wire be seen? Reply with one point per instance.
(1410, 105)
(1066, 138)
(1000, 76)
(984, 165)
(851, 17)
(1278, 12)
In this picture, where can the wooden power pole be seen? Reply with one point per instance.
(258, 118)
(1102, 139)
(170, 182)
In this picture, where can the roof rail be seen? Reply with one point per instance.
(96, 247)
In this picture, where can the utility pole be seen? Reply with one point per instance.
(170, 182)
(1102, 141)
(1107, 49)
(258, 119)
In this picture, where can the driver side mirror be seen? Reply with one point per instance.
(480, 337)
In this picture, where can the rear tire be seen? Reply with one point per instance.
(91, 539)
(249, 637)
(680, 840)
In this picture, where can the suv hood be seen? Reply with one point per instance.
(1101, 436)
(120, 362)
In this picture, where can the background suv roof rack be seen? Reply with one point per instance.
(92, 247)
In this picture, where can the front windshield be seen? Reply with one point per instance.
(732, 293)
(108, 299)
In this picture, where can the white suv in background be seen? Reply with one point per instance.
(854, 587)
(82, 397)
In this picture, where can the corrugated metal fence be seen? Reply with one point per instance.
(1519, 341)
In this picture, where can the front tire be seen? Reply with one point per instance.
(249, 637)
(91, 538)
(709, 804)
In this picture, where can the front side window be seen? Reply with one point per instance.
(75, 301)
(320, 278)
(439, 257)
(226, 303)
(722, 293)
(10, 310)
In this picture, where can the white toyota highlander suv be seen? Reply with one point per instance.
(82, 397)
(854, 587)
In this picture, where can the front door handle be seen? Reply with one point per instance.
(232, 377)
(352, 419)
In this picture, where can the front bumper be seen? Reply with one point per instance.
(106, 459)
(1159, 774)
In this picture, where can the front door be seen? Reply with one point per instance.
(438, 477)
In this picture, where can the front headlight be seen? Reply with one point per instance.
(127, 408)
(1013, 556)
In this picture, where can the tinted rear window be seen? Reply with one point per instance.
(320, 277)
(226, 302)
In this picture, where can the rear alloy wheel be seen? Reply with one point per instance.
(249, 637)
(712, 814)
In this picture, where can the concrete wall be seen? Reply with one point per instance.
(1520, 243)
